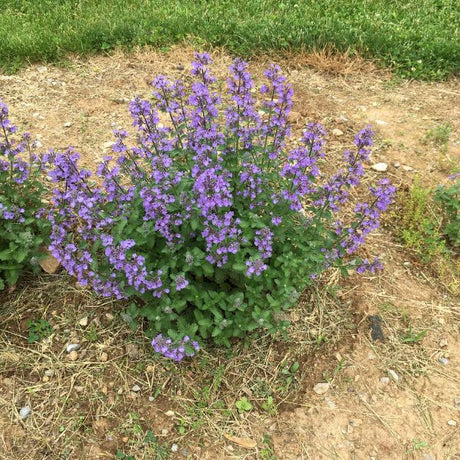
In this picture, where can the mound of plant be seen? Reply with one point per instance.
(448, 197)
(24, 227)
(209, 223)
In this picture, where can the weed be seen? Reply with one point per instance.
(270, 406)
(439, 135)
(267, 452)
(420, 227)
(243, 405)
(38, 330)
(91, 335)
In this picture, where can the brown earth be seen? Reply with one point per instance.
(85, 409)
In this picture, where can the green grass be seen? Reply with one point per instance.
(417, 38)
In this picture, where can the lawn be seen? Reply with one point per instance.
(418, 39)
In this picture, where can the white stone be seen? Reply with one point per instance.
(136, 388)
(174, 448)
(393, 375)
(384, 381)
(407, 168)
(25, 412)
(170, 413)
(452, 423)
(67, 124)
(337, 132)
(73, 347)
(83, 321)
(380, 167)
(321, 388)
(381, 122)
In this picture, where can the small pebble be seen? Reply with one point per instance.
(457, 402)
(170, 413)
(443, 343)
(381, 122)
(151, 398)
(393, 375)
(397, 164)
(321, 388)
(384, 381)
(136, 388)
(337, 132)
(49, 372)
(83, 322)
(104, 357)
(67, 124)
(407, 168)
(452, 423)
(174, 448)
(25, 412)
(164, 432)
(72, 356)
(379, 167)
(73, 347)
(443, 360)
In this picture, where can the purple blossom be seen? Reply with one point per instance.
(174, 351)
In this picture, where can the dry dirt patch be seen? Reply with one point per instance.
(391, 399)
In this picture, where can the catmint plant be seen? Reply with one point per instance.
(215, 222)
(24, 228)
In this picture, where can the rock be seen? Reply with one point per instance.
(42, 69)
(25, 412)
(381, 122)
(49, 372)
(379, 167)
(164, 432)
(329, 403)
(384, 381)
(407, 168)
(174, 448)
(397, 164)
(104, 357)
(393, 375)
(151, 398)
(443, 343)
(136, 388)
(428, 457)
(73, 347)
(180, 67)
(457, 402)
(294, 117)
(67, 124)
(169, 413)
(132, 350)
(107, 145)
(321, 388)
(452, 423)
(337, 132)
(72, 356)
(83, 322)
(49, 263)
(443, 360)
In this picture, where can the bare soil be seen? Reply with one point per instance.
(86, 409)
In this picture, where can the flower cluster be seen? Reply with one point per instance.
(23, 224)
(208, 222)
(176, 352)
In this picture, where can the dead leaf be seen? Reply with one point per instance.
(49, 263)
(243, 442)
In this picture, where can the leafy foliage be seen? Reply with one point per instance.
(24, 228)
(449, 199)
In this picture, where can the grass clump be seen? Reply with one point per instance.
(416, 39)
